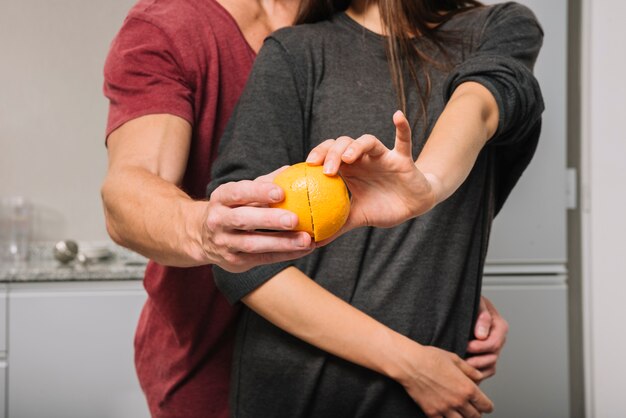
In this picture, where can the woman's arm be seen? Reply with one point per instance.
(439, 381)
(265, 132)
(387, 186)
(467, 122)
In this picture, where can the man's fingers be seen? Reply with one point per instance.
(248, 218)
(246, 192)
(403, 134)
(483, 322)
(483, 362)
(493, 344)
(252, 242)
(469, 371)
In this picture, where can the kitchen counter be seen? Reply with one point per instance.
(43, 267)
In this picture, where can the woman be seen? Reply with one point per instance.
(462, 73)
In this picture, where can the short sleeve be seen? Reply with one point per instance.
(503, 62)
(143, 75)
(265, 132)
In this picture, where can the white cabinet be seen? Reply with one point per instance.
(532, 378)
(3, 350)
(70, 350)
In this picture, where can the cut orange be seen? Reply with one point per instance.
(320, 201)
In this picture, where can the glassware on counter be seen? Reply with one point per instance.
(16, 220)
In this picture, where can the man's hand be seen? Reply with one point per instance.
(490, 331)
(235, 213)
(147, 211)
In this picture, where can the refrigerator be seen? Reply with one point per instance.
(526, 270)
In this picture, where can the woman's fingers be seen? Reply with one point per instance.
(318, 154)
(403, 134)
(364, 145)
(329, 153)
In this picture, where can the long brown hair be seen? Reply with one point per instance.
(403, 20)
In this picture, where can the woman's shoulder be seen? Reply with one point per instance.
(478, 17)
(304, 36)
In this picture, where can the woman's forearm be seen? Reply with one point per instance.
(435, 379)
(298, 305)
(468, 121)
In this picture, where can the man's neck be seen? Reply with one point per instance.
(258, 18)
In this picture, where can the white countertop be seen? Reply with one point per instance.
(43, 267)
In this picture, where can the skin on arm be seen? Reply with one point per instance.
(147, 212)
(439, 381)
(468, 121)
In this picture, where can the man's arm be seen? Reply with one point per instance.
(147, 212)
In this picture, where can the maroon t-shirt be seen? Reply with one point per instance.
(187, 58)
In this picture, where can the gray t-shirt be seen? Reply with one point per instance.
(421, 278)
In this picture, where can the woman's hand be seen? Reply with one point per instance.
(441, 383)
(386, 186)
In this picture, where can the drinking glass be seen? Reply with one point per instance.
(15, 228)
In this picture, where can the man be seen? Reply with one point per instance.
(173, 76)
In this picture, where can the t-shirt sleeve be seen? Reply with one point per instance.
(143, 74)
(503, 62)
(265, 132)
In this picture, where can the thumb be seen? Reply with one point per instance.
(483, 322)
(403, 134)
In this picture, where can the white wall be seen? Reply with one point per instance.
(604, 204)
(52, 111)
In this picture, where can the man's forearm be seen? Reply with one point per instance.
(154, 217)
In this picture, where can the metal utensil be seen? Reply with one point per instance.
(65, 251)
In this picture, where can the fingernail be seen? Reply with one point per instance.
(482, 332)
(349, 153)
(275, 194)
(303, 242)
(311, 158)
(287, 221)
(328, 167)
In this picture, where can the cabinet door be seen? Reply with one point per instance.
(532, 377)
(71, 351)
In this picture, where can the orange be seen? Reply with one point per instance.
(320, 201)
